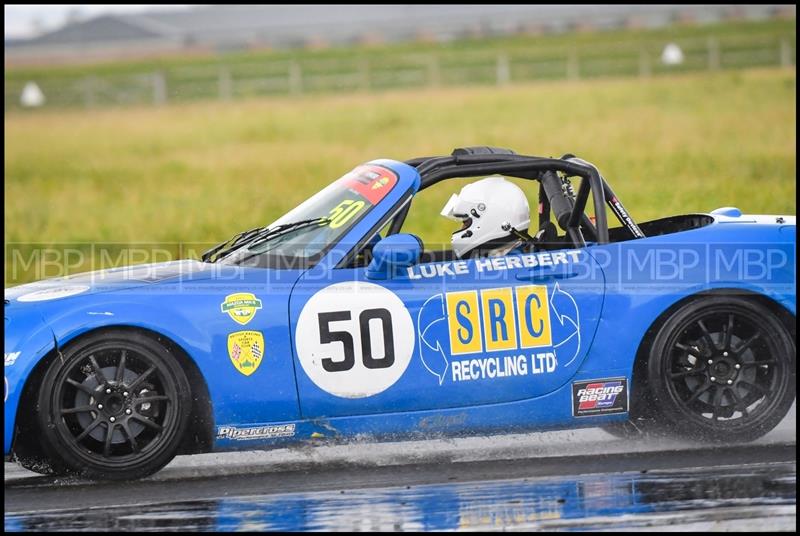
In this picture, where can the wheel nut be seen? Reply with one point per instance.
(112, 419)
(730, 382)
(125, 393)
(99, 406)
(710, 361)
(128, 411)
(725, 354)
(737, 366)
(713, 379)
(108, 391)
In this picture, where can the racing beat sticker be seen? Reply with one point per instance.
(354, 339)
(599, 397)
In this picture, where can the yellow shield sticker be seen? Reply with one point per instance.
(246, 349)
(241, 307)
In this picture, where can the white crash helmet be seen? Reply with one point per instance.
(487, 209)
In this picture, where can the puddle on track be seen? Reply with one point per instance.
(753, 497)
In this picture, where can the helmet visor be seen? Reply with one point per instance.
(449, 208)
(466, 224)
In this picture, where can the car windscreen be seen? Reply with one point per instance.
(339, 206)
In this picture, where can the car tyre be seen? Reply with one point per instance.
(115, 406)
(722, 369)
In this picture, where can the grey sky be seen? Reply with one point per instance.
(29, 20)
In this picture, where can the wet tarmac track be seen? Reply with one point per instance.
(578, 480)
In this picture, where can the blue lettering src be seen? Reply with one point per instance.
(497, 310)
(463, 322)
(529, 316)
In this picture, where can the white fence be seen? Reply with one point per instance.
(250, 78)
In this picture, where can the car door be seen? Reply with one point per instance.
(446, 334)
(511, 327)
(355, 343)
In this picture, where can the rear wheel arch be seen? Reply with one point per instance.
(199, 435)
(640, 362)
(642, 406)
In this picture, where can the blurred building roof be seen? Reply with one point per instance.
(224, 27)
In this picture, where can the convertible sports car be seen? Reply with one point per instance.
(332, 323)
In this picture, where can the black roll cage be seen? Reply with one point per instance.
(570, 214)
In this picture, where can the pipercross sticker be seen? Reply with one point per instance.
(241, 306)
(246, 349)
(498, 333)
(599, 397)
(256, 432)
(354, 339)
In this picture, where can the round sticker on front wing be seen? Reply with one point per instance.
(53, 293)
(354, 339)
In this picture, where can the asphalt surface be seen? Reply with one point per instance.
(556, 480)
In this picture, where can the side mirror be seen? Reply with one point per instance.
(393, 254)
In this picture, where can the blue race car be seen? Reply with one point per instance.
(333, 324)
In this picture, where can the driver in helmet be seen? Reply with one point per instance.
(494, 215)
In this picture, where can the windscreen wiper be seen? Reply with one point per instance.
(286, 227)
(234, 241)
(266, 234)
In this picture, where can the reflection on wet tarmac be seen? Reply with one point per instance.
(762, 495)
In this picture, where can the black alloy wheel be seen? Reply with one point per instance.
(722, 368)
(115, 407)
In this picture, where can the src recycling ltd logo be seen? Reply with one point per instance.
(500, 332)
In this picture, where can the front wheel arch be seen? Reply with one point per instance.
(199, 435)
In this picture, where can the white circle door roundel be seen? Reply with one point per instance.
(354, 339)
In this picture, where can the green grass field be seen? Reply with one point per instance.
(201, 172)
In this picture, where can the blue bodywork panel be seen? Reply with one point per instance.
(461, 347)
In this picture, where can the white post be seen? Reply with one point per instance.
(644, 63)
(503, 70)
(363, 74)
(88, 85)
(225, 83)
(713, 54)
(295, 78)
(786, 53)
(159, 88)
(434, 73)
(573, 65)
